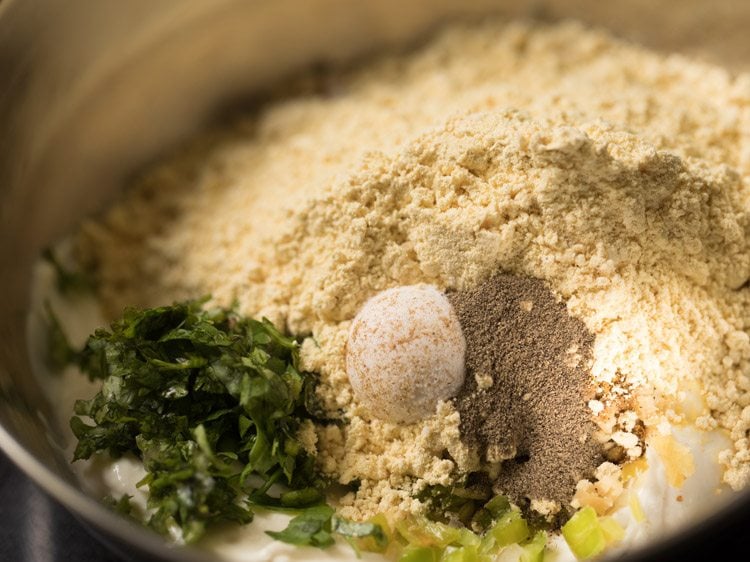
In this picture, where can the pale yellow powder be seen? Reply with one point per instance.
(617, 175)
(601, 493)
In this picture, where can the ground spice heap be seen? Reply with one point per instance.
(528, 382)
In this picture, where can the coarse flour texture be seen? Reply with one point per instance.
(618, 176)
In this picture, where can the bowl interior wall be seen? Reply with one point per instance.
(91, 92)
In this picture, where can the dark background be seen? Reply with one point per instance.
(35, 529)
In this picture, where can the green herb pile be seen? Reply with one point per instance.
(211, 402)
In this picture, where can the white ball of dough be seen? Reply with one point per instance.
(405, 353)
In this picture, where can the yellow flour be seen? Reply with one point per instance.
(617, 175)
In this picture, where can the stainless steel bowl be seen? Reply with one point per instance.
(90, 91)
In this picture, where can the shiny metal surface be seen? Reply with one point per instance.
(90, 91)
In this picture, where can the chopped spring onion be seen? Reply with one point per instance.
(511, 528)
(613, 531)
(423, 540)
(423, 532)
(533, 551)
(462, 554)
(588, 535)
(414, 553)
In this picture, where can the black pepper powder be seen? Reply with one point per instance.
(534, 417)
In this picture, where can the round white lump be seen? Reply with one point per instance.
(405, 353)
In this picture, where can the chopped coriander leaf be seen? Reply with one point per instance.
(356, 530)
(317, 525)
(301, 498)
(312, 527)
(121, 506)
(210, 401)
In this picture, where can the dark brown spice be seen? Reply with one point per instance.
(614, 453)
(534, 417)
